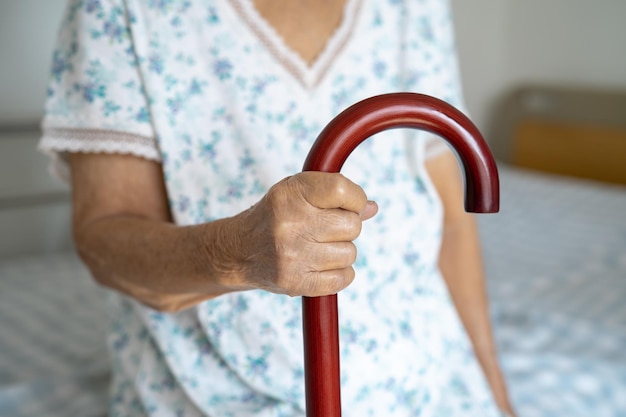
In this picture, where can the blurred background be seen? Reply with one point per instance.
(504, 44)
(545, 80)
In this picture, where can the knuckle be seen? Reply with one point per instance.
(280, 234)
(341, 186)
(277, 194)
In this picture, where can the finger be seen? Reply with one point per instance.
(330, 256)
(327, 282)
(331, 190)
(371, 209)
(335, 225)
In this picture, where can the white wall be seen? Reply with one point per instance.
(34, 208)
(507, 43)
(27, 32)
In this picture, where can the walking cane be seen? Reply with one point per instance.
(329, 152)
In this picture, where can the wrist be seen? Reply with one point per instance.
(226, 253)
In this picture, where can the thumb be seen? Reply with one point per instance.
(326, 190)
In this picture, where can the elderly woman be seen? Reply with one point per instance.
(184, 123)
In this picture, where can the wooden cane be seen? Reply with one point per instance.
(329, 152)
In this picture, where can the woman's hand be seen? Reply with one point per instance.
(298, 239)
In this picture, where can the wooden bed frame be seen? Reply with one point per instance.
(574, 132)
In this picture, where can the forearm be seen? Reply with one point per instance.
(165, 266)
(461, 266)
(460, 263)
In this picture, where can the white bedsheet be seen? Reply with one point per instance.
(555, 259)
(53, 359)
(556, 264)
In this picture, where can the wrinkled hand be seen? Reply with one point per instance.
(298, 238)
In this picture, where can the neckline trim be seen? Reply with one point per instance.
(308, 75)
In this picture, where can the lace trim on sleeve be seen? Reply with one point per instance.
(57, 142)
(99, 141)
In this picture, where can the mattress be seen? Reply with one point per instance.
(53, 359)
(555, 258)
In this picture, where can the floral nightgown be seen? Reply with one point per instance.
(209, 89)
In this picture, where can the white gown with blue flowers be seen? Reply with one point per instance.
(210, 90)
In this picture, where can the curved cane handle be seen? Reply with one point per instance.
(329, 152)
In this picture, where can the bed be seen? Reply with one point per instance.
(555, 260)
(556, 254)
(52, 339)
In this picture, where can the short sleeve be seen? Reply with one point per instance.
(96, 101)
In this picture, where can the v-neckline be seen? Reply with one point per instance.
(309, 75)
